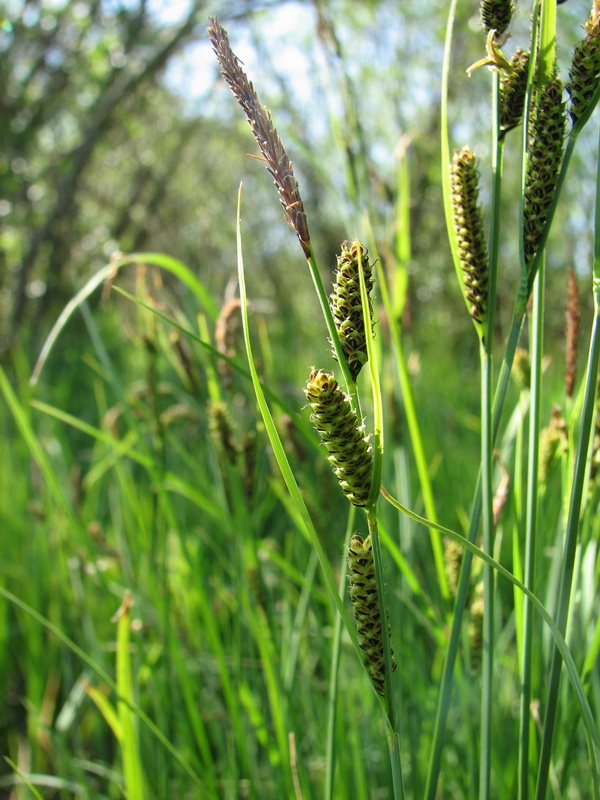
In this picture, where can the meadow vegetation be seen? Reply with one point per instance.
(301, 521)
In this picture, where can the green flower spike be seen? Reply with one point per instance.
(544, 154)
(513, 86)
(365, 604)
(337, 423)
(468, 226)
(346, 305)
(585, 67)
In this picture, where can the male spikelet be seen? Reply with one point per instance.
(227, 330)
(521, 368)
(346, 304)
(221, 427)
(553, 439)
(468, 226)
(513, 85)
(476, 627)
(584, 73)
(365, 604)
(271, 147)
(337, 423)
(495, 15)
(544, 155)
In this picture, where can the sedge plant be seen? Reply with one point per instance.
(273, 636)
(527, 90)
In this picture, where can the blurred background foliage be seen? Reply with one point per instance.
(118, 135)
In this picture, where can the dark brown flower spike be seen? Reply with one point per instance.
(470, 238)
(584, 73)
(513, 85)
(346, 304)
(496, 15)
(544, 155)
(365, 604)
(271, 147)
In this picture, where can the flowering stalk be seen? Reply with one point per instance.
(365, 604)
(271, 147)
(495, 15)
(337, 423)
(584, 73)
(513, 85)
(544, 155)
(468, 228)
(346, 305)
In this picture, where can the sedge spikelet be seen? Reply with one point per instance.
(544, 155)
(476, 627)
(495, 15)
(513, 85)
(337, 423)
(468, 226)
(521, 368)
(572, 333)
(277, 160)
(221, 427)
(346, 304)
(365, 605)
(227, 330)
(453, 556)
(584, 73)
(552, 438)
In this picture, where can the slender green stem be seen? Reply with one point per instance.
(485, 767)
(412, 421)
(463, 582)
(531, 507)
(334, 673)
(577, 489)
(494, 245)
(486, 351)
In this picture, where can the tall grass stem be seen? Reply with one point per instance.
(531, 512)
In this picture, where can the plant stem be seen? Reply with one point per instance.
(334, 673)
(577, 489)
(463, 583)
(531, 529)
(488, 576)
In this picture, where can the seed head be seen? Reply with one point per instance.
(584, 73)
(495, 15)
(365, 604)
(346, 305)
(227, 330)
(453, 556)
(476, 627)
(544, 155)
(553, 440)
(221, 427)
(468, 226)
(513, 85)
(337, 423)
(271, 147)
(521, 368)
